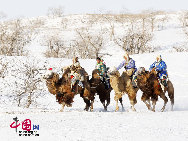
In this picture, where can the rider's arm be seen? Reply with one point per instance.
(161, 66)
(121, 65)
(152, 66)
(103, 69)
(131, 64)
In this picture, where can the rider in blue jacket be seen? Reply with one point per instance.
(161, 68)
(130, 68)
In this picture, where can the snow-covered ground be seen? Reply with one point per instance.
(76, 124)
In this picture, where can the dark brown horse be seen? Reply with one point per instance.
(97, 86)
(60, 88)
(85, 91)
(149, 84)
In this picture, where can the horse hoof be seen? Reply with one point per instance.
(117, 109)
(133, 109)
(86, 109)
(61, 110)
(105, 108)
(162, 110)
(153, 110)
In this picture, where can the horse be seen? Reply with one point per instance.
(61, 87)
(99, 87)
(85, 91)
(149, 84)
(121, 85)
(58, 87)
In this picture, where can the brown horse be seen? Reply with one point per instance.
(97, 86)
(60, 89)
(85, 92)
(149, 84)
(121, 85)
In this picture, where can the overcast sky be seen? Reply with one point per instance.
(32, 8)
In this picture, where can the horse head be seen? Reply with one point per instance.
(114, 72)
(49, 74)
(96, 74)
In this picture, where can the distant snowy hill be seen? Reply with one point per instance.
(168, 32)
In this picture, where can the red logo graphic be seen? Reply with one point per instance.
(15, 125)
(26, 125)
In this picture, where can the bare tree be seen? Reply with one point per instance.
(3, 68)
(134, 42)
(150, 17)
(55, 11)
(89, 44)
(56, 46)
(143, 17)
(28, 82)
(14, 37)
(35, 23)
(184, 18)
(133, 21)
(64, 23)
(161, 21)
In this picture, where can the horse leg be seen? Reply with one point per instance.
(154, 99)
(145, 98)
(170, 90)
(121, 101)
(154, 103)
(116, 98)
(87, 104)
(105, 107)
(102, 100)
(91, 108)
(108, 100)
(133, 101)
(162, 95)
(117, 107)
(149, 102)
(63, 105)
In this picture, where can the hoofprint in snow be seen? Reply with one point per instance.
(76, 124)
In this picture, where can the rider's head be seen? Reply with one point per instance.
(98, 59)
(158, 58)
(75, 59)
(126, 56)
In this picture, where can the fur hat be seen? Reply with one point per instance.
(75, 59)
(158, 58)
(98, 58)
(126, 55)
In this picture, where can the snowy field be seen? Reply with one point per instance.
(76, 124)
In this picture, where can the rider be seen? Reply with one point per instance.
(77, 76)
(101, 66)
(161, 68)
(130, 67)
